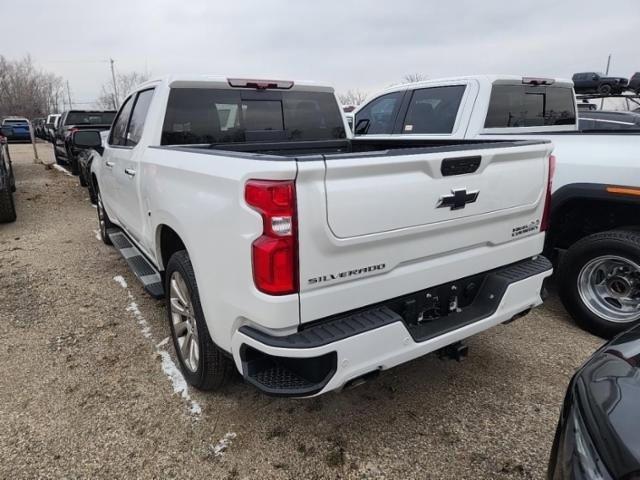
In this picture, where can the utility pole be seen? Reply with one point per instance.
(115, 86)
(69, 95)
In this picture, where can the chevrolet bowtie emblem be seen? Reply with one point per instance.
(458, 199)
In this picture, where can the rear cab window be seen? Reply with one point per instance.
(89, 118)
(519, 106)
(224, 116)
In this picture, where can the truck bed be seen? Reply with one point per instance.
(287, 150)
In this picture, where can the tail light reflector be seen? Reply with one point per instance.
(546, 213)
(275, 252)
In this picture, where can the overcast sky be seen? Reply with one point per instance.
(366, 45)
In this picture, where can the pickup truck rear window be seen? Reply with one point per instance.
(215, 116)
(90, 118)
(530, 106)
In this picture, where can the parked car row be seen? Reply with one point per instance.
(594, 82)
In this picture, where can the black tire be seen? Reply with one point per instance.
(7, 207)
(83, 181)
(12, 178)
(93, 196)
(59, 160)
(605, 89)
(214, 367)
(104, 223)
(72, 161)
(619, 243)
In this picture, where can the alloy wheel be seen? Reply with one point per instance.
(183, 318)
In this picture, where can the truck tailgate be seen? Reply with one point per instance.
(386, 193)
(399, 221)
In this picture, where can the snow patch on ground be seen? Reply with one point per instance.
(144, 325)
(169, 367)
(224, 443)
(62, 169)
(97, 232)
(177, 380)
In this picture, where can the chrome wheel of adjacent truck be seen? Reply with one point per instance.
(610, 287)
(203, 364)
(599, 281)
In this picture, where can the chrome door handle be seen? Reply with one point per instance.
(130, 171)
(109, 164)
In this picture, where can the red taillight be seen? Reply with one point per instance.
(546, 213)
(275, 252)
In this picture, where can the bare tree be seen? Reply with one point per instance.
(125, 82)
(414, 78)
(27, 91)
(352, 97)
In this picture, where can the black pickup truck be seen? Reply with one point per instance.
(72, 121)
(592, 82)
(7, 179)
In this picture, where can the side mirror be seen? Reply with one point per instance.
(361, 127)
(86, 139)
(6, 131)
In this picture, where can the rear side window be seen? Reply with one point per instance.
(379, 115)
(218, 116)
(530, 106)
(119, 128)
(89, 118)
(138, 116)
(433, 110)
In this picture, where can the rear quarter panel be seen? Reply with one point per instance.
(201, 197)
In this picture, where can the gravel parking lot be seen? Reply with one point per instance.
(88, 387)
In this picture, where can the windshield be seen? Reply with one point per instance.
(15, 122)
(215, 116)
(90, 118)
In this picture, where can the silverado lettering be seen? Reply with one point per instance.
(348, 273)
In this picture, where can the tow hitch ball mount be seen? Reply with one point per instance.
(456, 351)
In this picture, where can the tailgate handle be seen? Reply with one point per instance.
(460, 165)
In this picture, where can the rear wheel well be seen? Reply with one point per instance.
(170, 243)
(579, 217)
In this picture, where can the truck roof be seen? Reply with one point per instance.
(488, 79)
(219, 81)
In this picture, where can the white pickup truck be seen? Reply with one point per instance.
(594, 232)
(310, 260)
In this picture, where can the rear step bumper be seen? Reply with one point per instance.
(330, 354)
